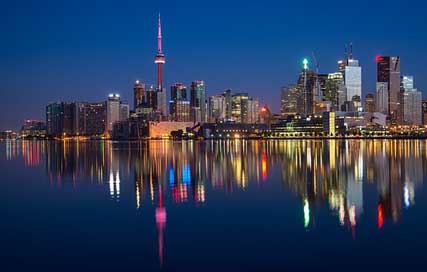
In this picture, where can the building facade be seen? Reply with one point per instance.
(198, 101)
(388, 71)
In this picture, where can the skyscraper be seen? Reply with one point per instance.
(113, 110)
(410, 103)
(61, 119)
(352, 74)
(217, 108)
(138, 94)
(239, 107)
(335, 91)
(289, 100)
(253, 111)
(381, 98)
(198, 101)
(179, 107)
(388, 71)
(424, 111)
(92, 118)
(124, 110)
(227, 95)
(307, 84)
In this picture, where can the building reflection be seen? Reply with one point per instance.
(330, 174)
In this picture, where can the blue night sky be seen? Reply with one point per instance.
(82, 50)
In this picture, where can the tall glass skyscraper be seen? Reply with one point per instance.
(198, 101)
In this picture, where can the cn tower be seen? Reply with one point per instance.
(160, 57)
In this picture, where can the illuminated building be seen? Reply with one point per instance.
(217, 108)
(131, 129)
(178, 105)
(228, 104)
(33, 129)
(92, 118)
(265, 116)
(410, 105)
(307, 85)
(381, 98)
(388, 73)
(335, 91)
(352, 75)
(138, 95)
(124, 110)
(253, 111)
(198, 101)
(239, 107)
(369, 103)
(329, 123)
(181, 111)
(424, 111)
(290, 99)
(113, 110)
(61, 118)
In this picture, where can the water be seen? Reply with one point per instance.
(209, 206)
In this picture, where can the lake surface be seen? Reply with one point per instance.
(291, 205)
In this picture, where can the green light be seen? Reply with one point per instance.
(306, 213)
(305, 63)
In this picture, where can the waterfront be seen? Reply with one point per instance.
(211, 205)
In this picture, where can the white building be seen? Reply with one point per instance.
(113, 110)
(217, 108)
(410, 102)
(353, 79)
(381, 98)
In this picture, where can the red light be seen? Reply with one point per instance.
(380, 216)
(378, 58)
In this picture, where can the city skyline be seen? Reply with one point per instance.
(67, 79)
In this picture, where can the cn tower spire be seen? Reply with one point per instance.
(159, 60)
(159, 36)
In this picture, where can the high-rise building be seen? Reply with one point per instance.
(335, 91)
(388, 71)
(381, 98)
(151, 98)
(217, 108)
(198, 101)
(61, 119)
(182, 111)
(289, 101)
(352, 74)
(124, 110)
(178, 93)
(307, 84)
(239, 107)
(424, 111)
(353, 79)
(161, 102)
(253, 111)
(92, 118)
(113, 110)
(228, 102)
(410, 103)
(138, 94)
(370, 103)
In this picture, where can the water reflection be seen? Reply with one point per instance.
(323, 174)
